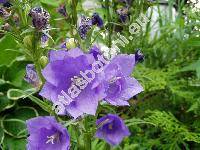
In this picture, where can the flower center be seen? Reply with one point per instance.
(114, 79)
(80, 82)
(114, 87)
(53, 138)
(110, 126)
(77, 80)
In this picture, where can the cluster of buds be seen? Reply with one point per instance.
(85, 26)
(87, 23)
(40, 18)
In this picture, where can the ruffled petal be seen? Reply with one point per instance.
(126, 63)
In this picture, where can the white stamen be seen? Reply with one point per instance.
(114, 79)
(52, 138)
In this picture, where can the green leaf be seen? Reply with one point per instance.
(15, 94)
(54, 3)
(14, 123)
(5, 103)
(194, 42)
(193, 67)
(6, 58)
(1, 135)
(11, 143)
(15, 73)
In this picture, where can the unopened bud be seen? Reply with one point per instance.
(43, 61)
(71, 43)
(28, 41)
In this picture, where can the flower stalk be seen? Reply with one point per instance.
(109, 25)
(36, 54)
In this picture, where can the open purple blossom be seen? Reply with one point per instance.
(62, 10)
(117, 81)
(84, 27)
(45, 133)
(32, 76)
(112, 129)
(63, 73)
(97, 20)
(40, 18)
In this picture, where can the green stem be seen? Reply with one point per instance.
(36, 53)
(87, 135)
(107, 146)
(74, 12)
(110, 25)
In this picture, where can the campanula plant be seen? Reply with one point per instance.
(99, 75)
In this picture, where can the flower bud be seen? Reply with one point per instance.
(43, 61)
(71, 43)
(28, 41)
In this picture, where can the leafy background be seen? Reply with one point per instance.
(166, 116)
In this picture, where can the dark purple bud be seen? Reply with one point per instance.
(123, 14)
(97, 20)
(127, 2)
(40, 18)
(139, 57)
(62, 10)
(32, 76)
(7, 4)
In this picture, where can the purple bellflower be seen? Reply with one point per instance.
(97, 20)
(67, 79)
(118, 84)
(32, 76)
(40, 18)
(112, 129)
(45, 133)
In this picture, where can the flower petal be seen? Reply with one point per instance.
(126, 63)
